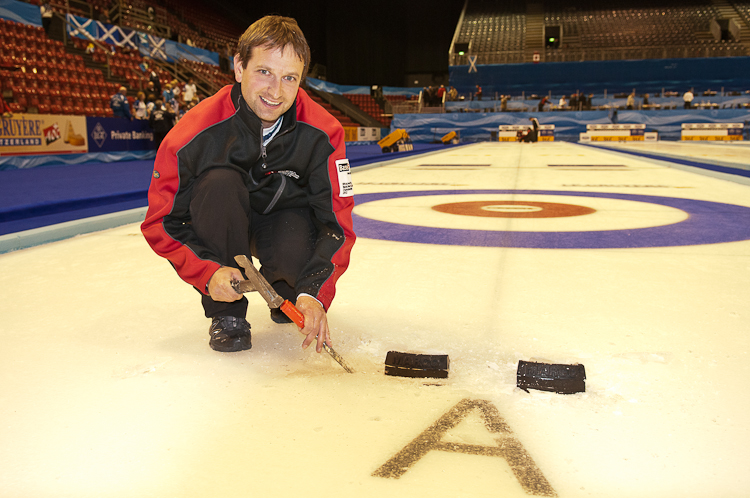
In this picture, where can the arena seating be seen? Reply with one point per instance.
(661, 32)
(344, 120)
(38, 75)
(202, 24)
(369, 105)
(187, 19)
(493, 27)
(498, 33)
(209, 72)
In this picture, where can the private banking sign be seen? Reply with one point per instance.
(39, 134)
(119, 134)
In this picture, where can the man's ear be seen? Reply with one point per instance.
(238, 69)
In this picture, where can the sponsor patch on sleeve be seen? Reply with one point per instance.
(346, 188)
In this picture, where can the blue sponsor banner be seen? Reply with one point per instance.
(153, 47)
(405, 91)
(177, 51)
(81, 27)
(22, 12)
(88, 29)
(325, 86)
(477, 127)
(563, 78)
(148, 45)
(118, 134)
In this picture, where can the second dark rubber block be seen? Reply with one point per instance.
(558, 378)
(417, 365)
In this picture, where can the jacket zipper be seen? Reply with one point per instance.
(263, 146)
(262, 149)
(264, 156)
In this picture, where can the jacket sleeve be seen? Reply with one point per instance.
(166, 226)
(332, 210)
(167, 235)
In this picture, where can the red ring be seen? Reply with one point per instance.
(548, 209)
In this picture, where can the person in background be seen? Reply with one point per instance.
(139, 107)
(532, 134)
(167, 95)
(153, 77)
(161, 120)
(47, 13)
(687, 99)
(587, 101)
(151, 95)
(120, 105)
(575, 101)
(542, 103)
(176, 90)
(189, 91)
(5, 108)
(440, 94)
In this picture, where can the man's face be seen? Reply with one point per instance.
(270, 81)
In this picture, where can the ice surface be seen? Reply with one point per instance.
(110, 389)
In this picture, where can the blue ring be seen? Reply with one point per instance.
(707, 223)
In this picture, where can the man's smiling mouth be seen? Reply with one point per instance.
(268, 102)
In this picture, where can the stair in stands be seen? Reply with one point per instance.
(341, 117)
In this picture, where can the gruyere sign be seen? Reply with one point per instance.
(43, 134)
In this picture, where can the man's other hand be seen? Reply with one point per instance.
(316, 322)
(220, 286)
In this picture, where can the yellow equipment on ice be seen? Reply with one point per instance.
(396, 141)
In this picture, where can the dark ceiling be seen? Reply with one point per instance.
(365, 43)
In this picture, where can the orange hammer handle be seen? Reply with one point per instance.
(293, 313)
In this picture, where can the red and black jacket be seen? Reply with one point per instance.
(298, 168)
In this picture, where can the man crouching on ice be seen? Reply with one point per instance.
(257, 169)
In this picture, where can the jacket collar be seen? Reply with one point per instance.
(252, 121)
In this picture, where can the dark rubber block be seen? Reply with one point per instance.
(417, 365)
(561, 379)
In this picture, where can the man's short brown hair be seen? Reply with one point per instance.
(274, 32)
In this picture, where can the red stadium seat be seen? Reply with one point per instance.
(44, 105)
(56, 106)
(19, 105)
(33, 103)
(67, 107)
(78, 108)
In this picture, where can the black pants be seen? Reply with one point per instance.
(283, 241)
(159, 138)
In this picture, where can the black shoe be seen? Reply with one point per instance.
(229, 334)
(278, 316)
